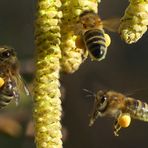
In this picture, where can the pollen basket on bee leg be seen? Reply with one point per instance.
(1, 82)
(124, 120)
(79, 42)
(107, 39)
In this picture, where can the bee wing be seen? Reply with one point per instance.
(111, 24)
(134, 92)
(21, 86)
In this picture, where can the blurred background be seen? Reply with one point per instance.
(124, 70)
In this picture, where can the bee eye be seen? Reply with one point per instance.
(103, 103)
(6, 54)
(103, 99)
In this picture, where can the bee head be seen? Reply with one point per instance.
(89, 19)
(100, 105)
(7, 55)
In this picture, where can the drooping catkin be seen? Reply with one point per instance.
(72, 55)
(134, 22)
(1, 82)
(47, 103)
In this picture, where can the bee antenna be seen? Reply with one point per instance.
(90, 93)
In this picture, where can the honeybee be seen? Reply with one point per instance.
(118, 106)
(91, 29)
(9, 73)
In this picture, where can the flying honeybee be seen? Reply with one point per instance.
(118, 106)
(9, 73)
(92, 34)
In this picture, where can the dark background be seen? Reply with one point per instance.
(124, 69)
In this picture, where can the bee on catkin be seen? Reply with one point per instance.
(92, 35)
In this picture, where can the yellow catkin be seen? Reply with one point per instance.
(134, 22)
(73, 56)
(47, 103)
(1, 82)
(124, 120)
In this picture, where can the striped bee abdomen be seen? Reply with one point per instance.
(95, 43)
(137, 109)
(6, 94)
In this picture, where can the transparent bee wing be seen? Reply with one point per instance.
(17, 97)
(134, 92)
(21, 88)
(111, 24)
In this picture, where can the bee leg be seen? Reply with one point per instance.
(80, 44)
(93, 117)
(117, 127)
(16, 96)
(123, 120)
(85, 55)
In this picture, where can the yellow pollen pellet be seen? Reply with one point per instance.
(79, 42)
(1, 82)
(124, 120)
(107, 39)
